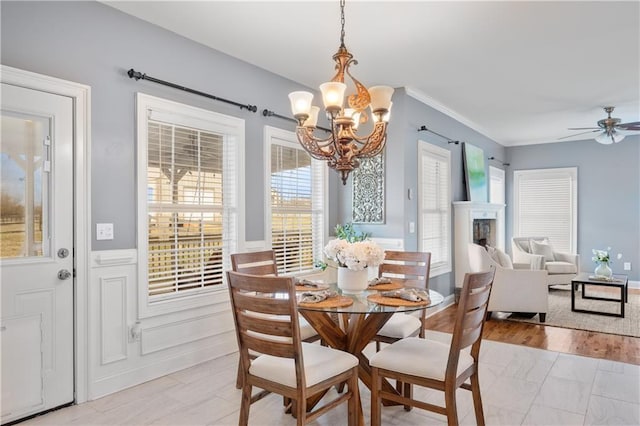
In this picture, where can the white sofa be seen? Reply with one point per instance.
(514, 290)
(562, 267)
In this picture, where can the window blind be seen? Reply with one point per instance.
(545, 206)
(296, 208)
(435, 205)
(186, 217)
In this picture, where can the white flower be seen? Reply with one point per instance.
(355, 256)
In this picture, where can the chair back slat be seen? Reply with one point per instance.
(267, 326)
(259, 303)
(473, 319)
(281, 348)
(255, 263)
(412, 266)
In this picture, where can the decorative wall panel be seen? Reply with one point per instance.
(368, 190)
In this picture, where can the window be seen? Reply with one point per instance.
(189, 190)
(295, 210)
(434, 205)
(545, 205)
(496, 185)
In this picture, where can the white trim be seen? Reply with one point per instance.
(633, 284)
(81, 98)
(448, 301)
(421, 97)
(183, 114)
(257, 245)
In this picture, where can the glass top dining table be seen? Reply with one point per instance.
(361, 304)
(355, 327)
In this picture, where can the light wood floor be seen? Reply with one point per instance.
(579, 342)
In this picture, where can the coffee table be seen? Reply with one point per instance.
(584, 278)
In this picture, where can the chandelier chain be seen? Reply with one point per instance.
(342, 22)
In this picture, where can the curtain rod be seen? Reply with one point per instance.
(269, 113)
(140, 76)
(425, 129)
(498, 160)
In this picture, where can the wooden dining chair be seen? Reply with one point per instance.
(436, 365)
(412, 268)
(285, 365)
(264, 263)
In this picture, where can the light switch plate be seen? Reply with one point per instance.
(104, 231)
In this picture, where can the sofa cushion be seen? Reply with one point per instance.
(524, 245)
(557, 267)
(500, 257)
(544, 249)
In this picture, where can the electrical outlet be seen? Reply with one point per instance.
(135, 332)
(627, 266)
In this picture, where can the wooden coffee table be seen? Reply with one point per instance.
(584, 278)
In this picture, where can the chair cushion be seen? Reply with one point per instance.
(400, 326)
(320, 363)
(419, 357)
(557, 267)
(544, 249)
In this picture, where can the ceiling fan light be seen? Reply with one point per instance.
(604, 138)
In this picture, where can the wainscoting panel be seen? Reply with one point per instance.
(125, 350)
(179, 333)
(113, 319)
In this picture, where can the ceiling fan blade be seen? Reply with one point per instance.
(629, 126)
(578, 134)
(584, 128)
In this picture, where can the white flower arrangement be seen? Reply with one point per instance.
(355, 256)
(603, 256)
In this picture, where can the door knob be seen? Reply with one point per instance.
(64, 274)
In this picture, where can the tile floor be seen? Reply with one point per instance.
(520, 386)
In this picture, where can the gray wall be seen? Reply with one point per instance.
(401, 165)
(93, 44)
(608, 194)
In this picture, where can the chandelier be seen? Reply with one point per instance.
(343, 147)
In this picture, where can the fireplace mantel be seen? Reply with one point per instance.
(488, 218)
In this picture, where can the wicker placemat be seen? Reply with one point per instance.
(332, 302)
(386, 287)
(394, 301)
(307, 288)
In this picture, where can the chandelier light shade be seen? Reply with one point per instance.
(344, 146)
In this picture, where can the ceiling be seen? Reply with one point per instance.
(518, 72)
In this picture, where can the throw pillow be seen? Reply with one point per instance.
(544, 249)
(505, 260)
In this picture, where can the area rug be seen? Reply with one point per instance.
(560, 314)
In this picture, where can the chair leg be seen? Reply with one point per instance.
(450, 405)
(355, 409)
(239, 376)
(245, 405)
(377, 346)
(301, 409)
(477, 399)
(376, 401)
(543, 316)
(408, 393)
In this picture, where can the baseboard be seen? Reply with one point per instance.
(221, 346)
(634, 284)
(448, 301)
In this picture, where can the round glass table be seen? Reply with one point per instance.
(351, 328)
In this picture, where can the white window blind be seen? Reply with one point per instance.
(188, 196)
(546, 205)
(435, 205)
(496, 185)
(296, 188)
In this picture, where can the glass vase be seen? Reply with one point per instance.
(603, 270)
(352, 282)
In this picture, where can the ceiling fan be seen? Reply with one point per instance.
(610, 128)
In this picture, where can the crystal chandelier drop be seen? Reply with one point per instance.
(343, 147)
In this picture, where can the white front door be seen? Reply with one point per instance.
(36, 244)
